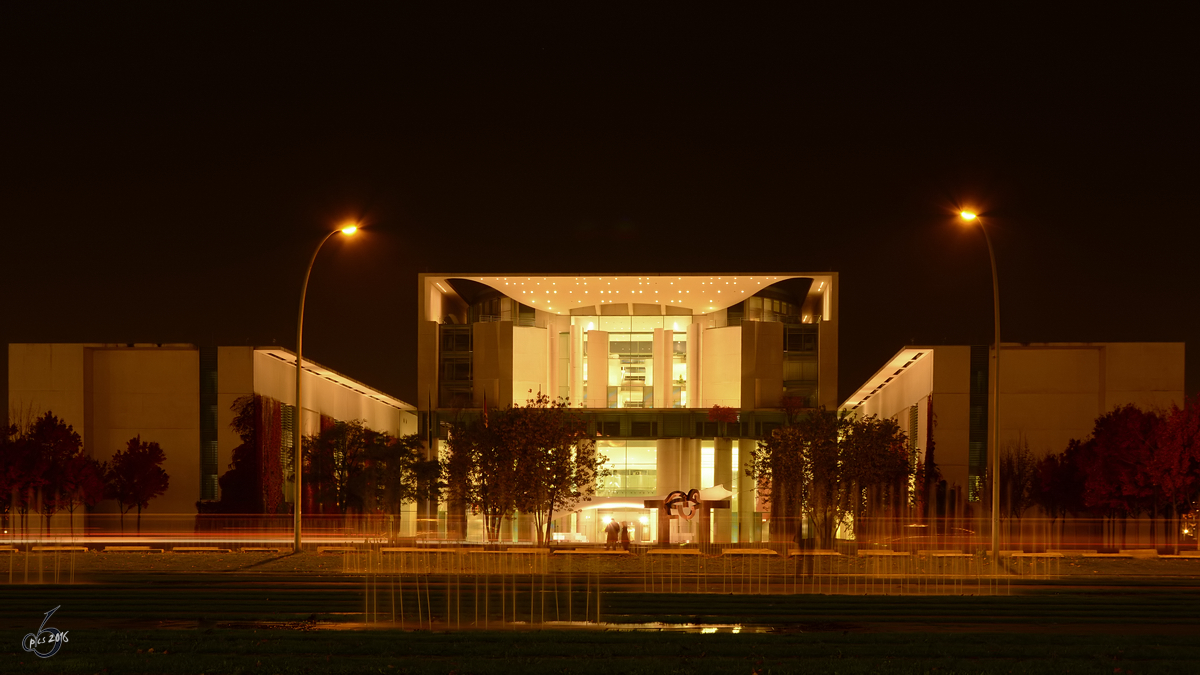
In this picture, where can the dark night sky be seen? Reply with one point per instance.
(168, 169)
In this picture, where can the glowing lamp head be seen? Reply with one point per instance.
(349, 229)
(967, 215)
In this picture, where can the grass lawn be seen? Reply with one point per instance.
(604, 653)
(262, 613)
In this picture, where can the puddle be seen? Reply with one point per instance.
(650, 627)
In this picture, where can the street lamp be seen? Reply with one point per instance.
(297, 493)
(994, 455)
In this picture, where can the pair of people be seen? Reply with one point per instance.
(614, 532)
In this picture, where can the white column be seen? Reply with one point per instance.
(597, 382)
(575, 373)
(663, 348)
(723, 475)
(693, 366)
(747, 496)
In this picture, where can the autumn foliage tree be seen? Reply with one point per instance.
(43, 464)
(557, 464)
(352, 469)
(1018, 472)
(23, 471)
(254, 481)
(1175, 467)
(876, 467)
(1058, 483)
(478, 470)
(83, 484)
(536, 458)
(799, 467)
(333, 460)
(828, 465)
(394, 472)
(1135, 462)
(135, 476)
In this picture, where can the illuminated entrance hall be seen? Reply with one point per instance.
(643, 359)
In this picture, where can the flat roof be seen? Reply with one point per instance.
(882, 377)
(289, 357)
(908, 355)
(701, 293)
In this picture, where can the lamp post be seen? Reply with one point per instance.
(297, 493)
(994, 455)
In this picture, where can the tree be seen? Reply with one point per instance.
(83, 484)
(1114, 462)
(10, 470)
(536, 458)
(239, 484)
(557, 464)
(928, 479)
(1058, 483)
(254, 481)
(799, 467)
(875, 467)
(1175, 467)
(828, 465)
(721, 413)
(51, 444)
(333, 462)
(135, 476)
(1018, 471)
(792, 406)
(1121, 445)
(479, 470)
(394, 473)
(25, 469)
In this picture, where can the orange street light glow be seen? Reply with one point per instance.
(967, 215)
(351, 229)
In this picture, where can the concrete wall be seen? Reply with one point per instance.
(1052, 393)
(952, 412)
(277, 379)
(721, 366)
(597, 369)
(1049, 396)
(492, 363)
(110, 394)
(1148, 374)
(154, 394)
(827, 339)
(530, 363)
(235, 379)
(762, 364)
(45, 377)
(427, 364)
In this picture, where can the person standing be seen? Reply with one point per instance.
(611, 531)
(625, 536)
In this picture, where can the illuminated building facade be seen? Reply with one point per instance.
(644, 356)
(179, 395)
(1050, 393)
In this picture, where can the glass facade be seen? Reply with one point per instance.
(978, 430)
(800, 362)
(454, 366)
(634, 468)
(633, 372)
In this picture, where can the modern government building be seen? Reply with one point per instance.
(644, 357)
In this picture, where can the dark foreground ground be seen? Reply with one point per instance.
(268, 616)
